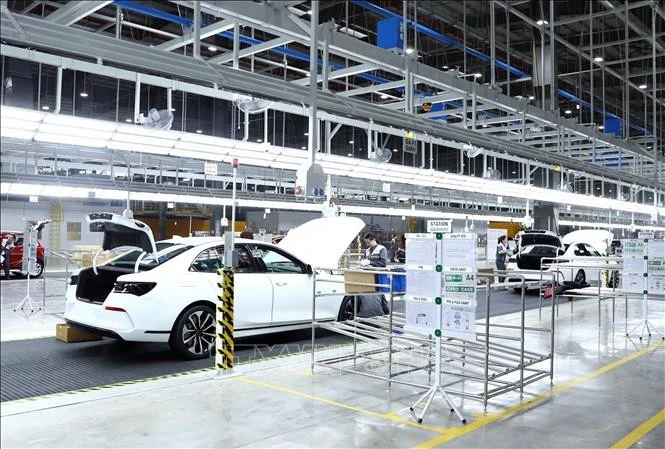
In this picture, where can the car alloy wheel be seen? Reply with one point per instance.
(39, 269)
(194, 333)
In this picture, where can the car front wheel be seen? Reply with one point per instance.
(580, 278)
(193, 335)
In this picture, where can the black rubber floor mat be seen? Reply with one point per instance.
(45, 366)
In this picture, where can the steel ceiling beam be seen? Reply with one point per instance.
(336, 74)
(585, 17)
(245, 52)
(188, 38)
(74, 11)
(39, 33)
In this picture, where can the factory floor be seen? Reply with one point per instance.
(607, 390)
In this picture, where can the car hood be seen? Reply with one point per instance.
(322, 241)
(598, 239)
(122, 231)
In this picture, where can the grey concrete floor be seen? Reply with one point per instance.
(608, 389)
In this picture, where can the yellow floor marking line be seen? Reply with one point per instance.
(456, 432)
(641, 430)
(390, 416)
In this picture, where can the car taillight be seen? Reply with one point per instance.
(133, 288)
(74, 280)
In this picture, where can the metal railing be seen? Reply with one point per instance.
(499, 361)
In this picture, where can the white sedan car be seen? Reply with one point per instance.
(581, 271)
(167, 291)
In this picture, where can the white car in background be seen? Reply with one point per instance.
(570, 264)
(167, 291)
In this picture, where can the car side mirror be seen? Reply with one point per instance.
(308, 269)
(560, 252)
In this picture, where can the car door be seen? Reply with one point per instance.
(590, 271)
(252, 288)
(292, 285)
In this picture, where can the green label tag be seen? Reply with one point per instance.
(454, 278)
(461, 289)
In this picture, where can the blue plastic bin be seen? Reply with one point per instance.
(399, 281)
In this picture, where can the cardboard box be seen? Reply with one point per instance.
(68, 334)
(352, 279)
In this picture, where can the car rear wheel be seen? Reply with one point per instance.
(37, 272)
(39, 269)
(193, 335)
(346, 310)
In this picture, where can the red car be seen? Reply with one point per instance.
(16, 257)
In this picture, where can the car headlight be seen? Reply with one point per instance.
(133, 288)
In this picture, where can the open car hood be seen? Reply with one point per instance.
(121, 231)
(600, 240)
(322, 241)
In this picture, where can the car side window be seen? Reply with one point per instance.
(246, 263)
(278, 262)
(208, 261)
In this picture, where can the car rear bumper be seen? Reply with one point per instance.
(114, 323)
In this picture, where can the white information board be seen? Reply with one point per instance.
(634, 265)
(423, 283)
(656, 267)
(424, 251)
(459, 286)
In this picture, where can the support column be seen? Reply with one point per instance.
(162, 221)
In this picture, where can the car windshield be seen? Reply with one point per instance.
(126, 256)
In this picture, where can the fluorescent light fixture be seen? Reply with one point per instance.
(409, 50)
(577, 106)
(445, 67)
(83, 94)
(542, 22)
(211, 48)
(384, 96)
(567, 111)
(88, 133)
(349, 154)
(531, 97)
(198, 131)
(45, 108)
(601, 127)
(303, 148)
(642, 86)
(306, 133)
(598, 59)
(351, 142)
(477, 75)
(128, 120)
(599, 224)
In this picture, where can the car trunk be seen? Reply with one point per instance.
(95, 288)
(531, 260)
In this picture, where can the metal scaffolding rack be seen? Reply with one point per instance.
(500, 361)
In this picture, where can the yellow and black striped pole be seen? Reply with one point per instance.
(224, 315)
